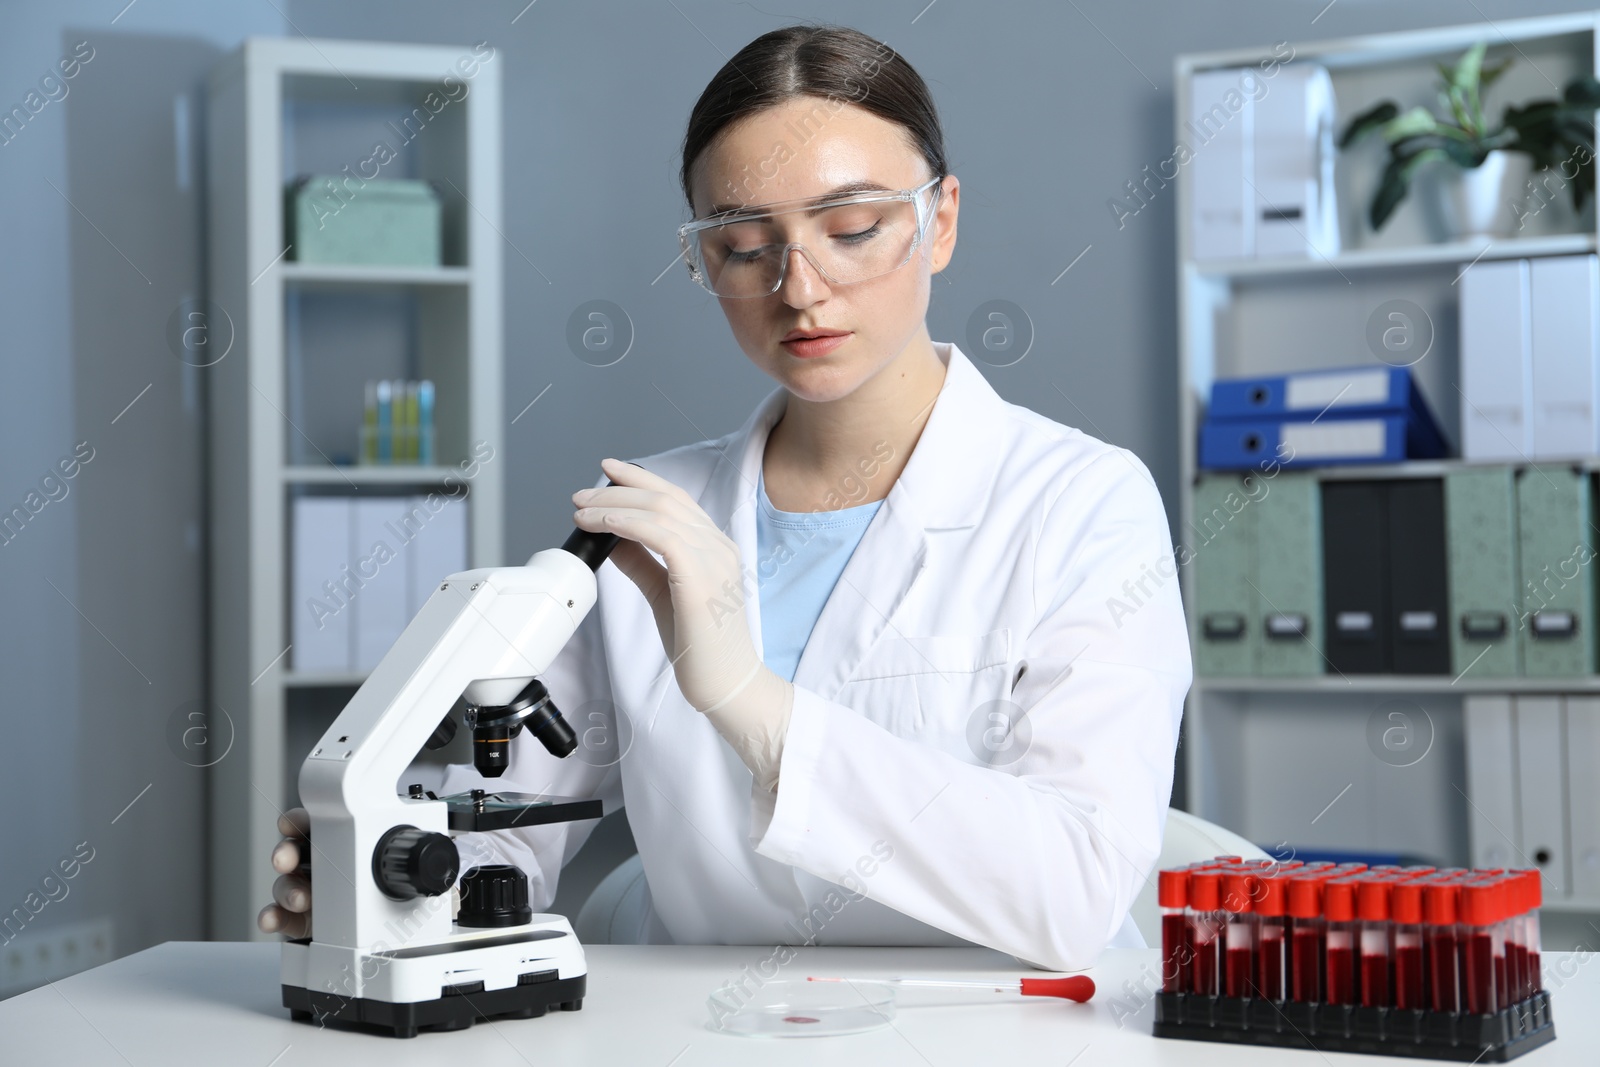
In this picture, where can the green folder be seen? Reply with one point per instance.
(1288, 583)
(1556, 595)
(1481, 537)
(1226, 635)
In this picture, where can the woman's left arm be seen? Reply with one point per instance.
(1041, 859)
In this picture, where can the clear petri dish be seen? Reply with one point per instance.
(794, 1007)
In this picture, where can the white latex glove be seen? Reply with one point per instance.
(699, 607)
(290, 910)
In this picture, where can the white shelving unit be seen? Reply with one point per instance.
(1286, 759)
(286, 401)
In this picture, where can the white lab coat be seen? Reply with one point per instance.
(1014, 559)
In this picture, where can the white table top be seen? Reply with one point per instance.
(192, 1002)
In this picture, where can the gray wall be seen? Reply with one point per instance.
(1049, 109)
(102, 636)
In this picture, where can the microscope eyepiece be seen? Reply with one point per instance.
(591, 547)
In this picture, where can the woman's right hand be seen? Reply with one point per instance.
(290, 912)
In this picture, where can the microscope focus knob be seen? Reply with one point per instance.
(495, 894)
(409, 862)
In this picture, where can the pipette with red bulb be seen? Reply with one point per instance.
(1079, 987)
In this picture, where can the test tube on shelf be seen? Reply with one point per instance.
(1177, 947)
(1481, 939)
(408, 425)
(1206, 919)
(1272, 936)
(1440, 897)
(1340, 983)
(385, 433)
(1405, 911)
(369, 424)
(425, 442)
(1372, 910)
(1239, 937)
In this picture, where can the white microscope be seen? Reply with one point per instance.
(384, 949)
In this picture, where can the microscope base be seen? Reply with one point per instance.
(457, 1010)
(518, 972)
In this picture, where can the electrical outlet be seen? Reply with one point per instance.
(35, 957)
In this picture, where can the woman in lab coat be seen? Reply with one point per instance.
(896, 662)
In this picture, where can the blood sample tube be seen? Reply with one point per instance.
(1272, 940)
(1172, 893)
(1206, 919)
(1372, 909)
(1339, 941)
(1405, 911)
(1238, 960)
(1416, 870)
(1482, 942)
(1439, 914)
(1516, 950)
(1501, 939)
(1305, 933)
(1530, 928)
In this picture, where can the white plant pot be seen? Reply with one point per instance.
(1485, 202)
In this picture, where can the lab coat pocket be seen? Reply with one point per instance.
(933, 686)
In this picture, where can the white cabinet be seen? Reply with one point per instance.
(286, 399)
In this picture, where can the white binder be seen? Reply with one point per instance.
(381, 605)
(1293, 189)
(439, 549)
(1564, 292)
(319, 624)
(1491, 780)
(1496, 361)
(1542, 791)
(1220, 124)
(1583, 795)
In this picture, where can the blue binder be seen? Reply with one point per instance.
(1236, 444)
(1247, 416)
(1335, 392)
(1331, 391)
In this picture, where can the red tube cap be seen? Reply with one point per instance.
(1238, 893)
(1405, 901)
(1339, 900)
(1372, 900)
(1440, 902)
(1305, 895)
(1172, 889)
(1483, 902)
(1272, 895)
(1534, 887)
(1205, 890)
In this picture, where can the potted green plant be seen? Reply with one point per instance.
(1556, 134)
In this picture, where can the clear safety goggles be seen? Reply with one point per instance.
(745, 253)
